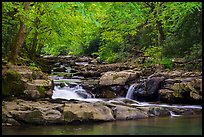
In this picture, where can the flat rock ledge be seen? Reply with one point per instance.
(21, 112)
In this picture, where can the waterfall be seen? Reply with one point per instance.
(173, 114)
(66, 93)
(131, 89)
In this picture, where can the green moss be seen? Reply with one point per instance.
(181, 90)
(41, 89)
(12, 84)
(177, 90)
(69, 116)
(34, 76)
(118, 76)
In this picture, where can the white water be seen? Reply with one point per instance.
(74, 93)
(173, 114)
(65, 93)
(71, 93)
(129, 94)
(165, 105)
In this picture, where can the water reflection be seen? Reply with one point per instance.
(185, 125)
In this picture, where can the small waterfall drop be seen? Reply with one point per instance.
(76, 93)
(173, 114)
(131, 89)
(68, 93)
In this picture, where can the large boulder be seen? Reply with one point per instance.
(25, 82)
(118, 78)
(12, 84)
(125, 113)
(30, 112)
(38, 88)
(189, 90)
(153, 85)
(87, 111)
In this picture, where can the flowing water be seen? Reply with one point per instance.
(78, 93)
(174, 125)
(129, 94)
(182, 125)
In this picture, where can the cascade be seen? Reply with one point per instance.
(72, 88)
(68, 93)
(77, 92)
(131, 89)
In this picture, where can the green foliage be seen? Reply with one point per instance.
(32, 64)
(34, 67)
(194, 58)
(92, 47)
(154, 56)
(153, 53)
(189, 33)
(196, 52)
(10, 25)
(167, 62)
(109, 30)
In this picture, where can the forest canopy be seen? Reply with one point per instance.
(108, 30)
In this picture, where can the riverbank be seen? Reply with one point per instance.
(20, 112)
(81, 90)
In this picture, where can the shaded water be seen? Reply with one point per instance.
(184, 125)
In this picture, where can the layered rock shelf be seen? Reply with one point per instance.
(20, 112)
(29, 91)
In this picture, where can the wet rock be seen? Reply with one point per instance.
(29, 116)
(125, 113)
(32, 94)
(189, 90)
(52, 116)
(13, 122)
(159, 111)
(118, 78)
(166, 95)
(105, 92)
(31, 112)
(87, 111)
(90, 83)
(153, 85)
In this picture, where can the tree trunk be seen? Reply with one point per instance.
(161, 35)
(35, 41)
(19, 40)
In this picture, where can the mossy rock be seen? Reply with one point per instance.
(181, 90)
(38, 74)
(12, 84)
(42, 90)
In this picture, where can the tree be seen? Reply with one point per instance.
(19, 40)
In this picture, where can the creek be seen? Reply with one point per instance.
(71, 88)
(185, 125)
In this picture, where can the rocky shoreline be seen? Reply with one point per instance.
(21, 112)
(30, 98)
